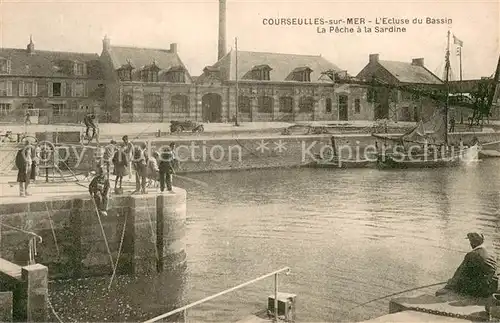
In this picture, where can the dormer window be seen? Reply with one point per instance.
(125, 72)
(300, 74)
(176, 74)
(150, 73)
(79, 69)
(4, 66)
(259, 72)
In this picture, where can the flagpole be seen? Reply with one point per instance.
(460, 56)
(236, 78)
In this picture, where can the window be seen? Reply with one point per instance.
(180, 103)
(394, 95)
(57, 109)
(306, 104)
(406, 96)
(357, 106)
(127, 103)
(5, 108)
(176, 76)
(5, 66)
(27, 88)
(244, 104)
(371, 95)
(79, 69)
(5, 88)
(343, 103)
(125, 74)
(286, 104)
(27, 106)
(152, 103)
(260, 72)
(150, 74)
(56, 89)
(265, 104)
(328, 105)
(301, 74)
(78, 89)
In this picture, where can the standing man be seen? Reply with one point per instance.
(27, 118)
(128, 149)
(89, 121)
(166, 168)
(452, 123)
(476, 274)
(23, 164)
(140, 167)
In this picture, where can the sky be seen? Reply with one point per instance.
(79, 26)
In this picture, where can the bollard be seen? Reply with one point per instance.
(286, 306)
(158, 133)
(35, 281)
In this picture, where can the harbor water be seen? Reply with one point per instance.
(349, 236)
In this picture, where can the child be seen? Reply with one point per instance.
(140, 168)
(153, 173)
(120, 165)
(99, 190)
(166, 170)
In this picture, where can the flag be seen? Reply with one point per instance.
(457, 41)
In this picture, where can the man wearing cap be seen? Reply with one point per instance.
(476, 274)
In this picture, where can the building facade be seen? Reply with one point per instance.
(52, 86)
(392, 103)
(153, 85)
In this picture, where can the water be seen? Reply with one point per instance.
(348, 235)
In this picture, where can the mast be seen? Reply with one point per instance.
(447, 84)
(236, 78)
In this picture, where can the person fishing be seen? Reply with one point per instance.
(89, 122)
(99, 190)
(476, 274)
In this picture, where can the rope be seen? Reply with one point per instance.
(52, 228)
(103, 234)
(53, 310)
(119, 251)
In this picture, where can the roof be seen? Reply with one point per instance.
(467, 86)
(281, 64)
(49, 63)
(143, 57)
(409, 73)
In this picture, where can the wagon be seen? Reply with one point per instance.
(188, 125)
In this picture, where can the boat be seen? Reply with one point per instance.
(331, 159)
(427, 145)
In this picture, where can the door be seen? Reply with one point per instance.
(211, 107)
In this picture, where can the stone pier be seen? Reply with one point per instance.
(146, 232)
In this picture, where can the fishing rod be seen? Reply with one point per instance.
(395, 294)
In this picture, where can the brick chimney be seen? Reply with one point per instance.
(417, 62)
(31, 47)
(106, 43)
(222, 29)
(173, 47)
(373, 58)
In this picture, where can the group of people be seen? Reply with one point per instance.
(157, 166)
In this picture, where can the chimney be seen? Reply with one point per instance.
(106, 43)
(31, 47)
(173, 48)
(417, 62)
(222, 29)
(373, 58)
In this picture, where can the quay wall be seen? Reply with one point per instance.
(220, 154)
(73, 244)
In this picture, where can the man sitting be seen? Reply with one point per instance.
(476, 274)
(99, 190)
(89, 123)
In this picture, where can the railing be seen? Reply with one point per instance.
(32, 243)
(206, 299)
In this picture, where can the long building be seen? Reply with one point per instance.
(52, 86)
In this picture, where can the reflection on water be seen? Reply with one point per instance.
(348, 235)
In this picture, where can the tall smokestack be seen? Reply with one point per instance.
(222, 29)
